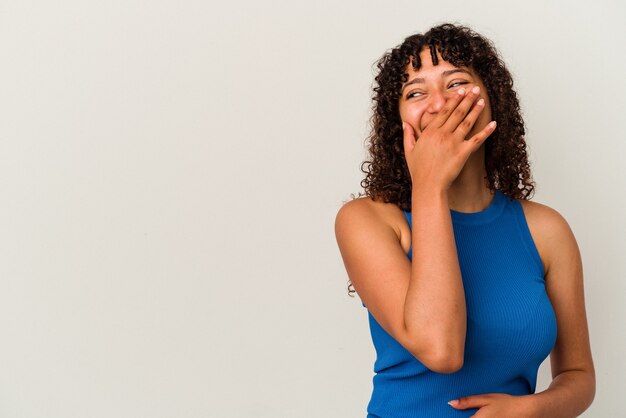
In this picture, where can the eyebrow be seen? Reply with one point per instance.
(443, 74)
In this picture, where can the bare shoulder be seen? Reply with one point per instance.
(550, 231)
(365, 210)
(378, 267)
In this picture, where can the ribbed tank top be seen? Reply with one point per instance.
(511, 326)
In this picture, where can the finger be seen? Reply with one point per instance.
(409, 136)
(460, 112)
(418, 123)
(466, 124)
(474, 401)
(477, 140)
(448, 108)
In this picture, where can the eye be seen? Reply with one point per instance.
(408, 96)
(459, 83)
(455, 84)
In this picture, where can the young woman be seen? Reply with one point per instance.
(468, 284)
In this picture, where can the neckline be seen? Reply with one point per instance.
(495, 208)
(491, 212)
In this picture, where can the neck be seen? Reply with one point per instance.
(469, 192)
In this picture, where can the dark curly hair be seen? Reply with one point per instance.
(506, 162)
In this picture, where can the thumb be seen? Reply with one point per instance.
(409, 136)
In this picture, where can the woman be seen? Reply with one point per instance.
(468, 284)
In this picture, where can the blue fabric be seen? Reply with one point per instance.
(511, 326)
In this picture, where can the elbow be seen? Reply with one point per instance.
(443, 363)
(447, 364)
(447, 357)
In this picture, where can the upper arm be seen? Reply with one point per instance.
(565, 288)
(378, 267)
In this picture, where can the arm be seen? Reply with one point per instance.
(435, 299)
(380, 272)
(573, 387)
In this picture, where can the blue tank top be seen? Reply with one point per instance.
(511, 326)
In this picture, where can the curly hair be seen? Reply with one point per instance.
(506, 162)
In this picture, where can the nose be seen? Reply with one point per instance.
(437, 101)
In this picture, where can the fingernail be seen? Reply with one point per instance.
(493, 124)
(462, 92)
(403, 126)
(476, 89)
(453, 403)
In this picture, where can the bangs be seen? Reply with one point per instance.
(454, 51)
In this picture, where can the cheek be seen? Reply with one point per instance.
(483, 120)
(413, 116)
(486, 113)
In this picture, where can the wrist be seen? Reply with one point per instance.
(533, 406)
(423, 188)
(429, 194)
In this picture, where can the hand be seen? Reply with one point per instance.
(438, 155)
(498, 405)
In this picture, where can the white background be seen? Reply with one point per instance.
(170, 172)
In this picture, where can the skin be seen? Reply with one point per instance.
(468, 192)
(573, 387)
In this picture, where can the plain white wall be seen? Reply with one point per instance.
(169, 176)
